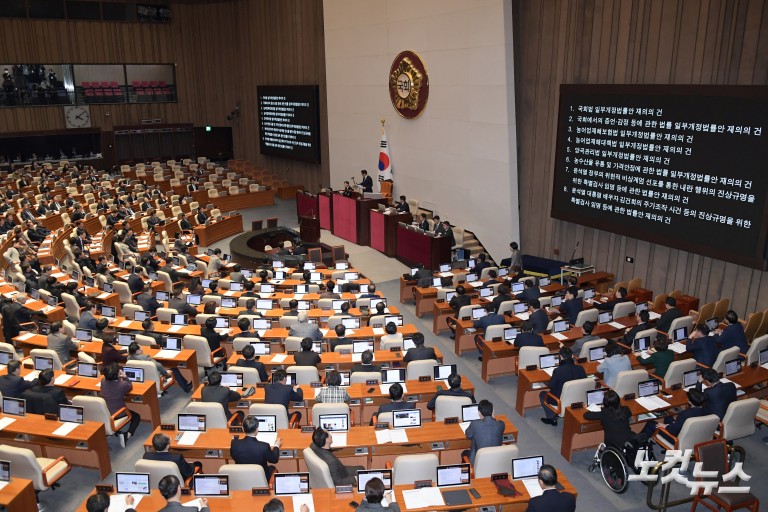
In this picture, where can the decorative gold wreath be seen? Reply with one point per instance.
(411, 101)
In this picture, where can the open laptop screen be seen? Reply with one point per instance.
(453, 474)
(406, 418)
(132, 483)
(351, 323)
(390, 376)
(358, 347)
(191, 422)
(443, 371)
(211, 485)
(527, 467)
(334, 422)
(385, 475)
(648, 387)
(470, 412)
(70, 413)
(596, 396)
(291, 483)
(691, 378)
(88, 370)
(732, 367)
(14, 406)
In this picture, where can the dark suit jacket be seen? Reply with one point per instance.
(733, 336)
(367, 184)
(13, 386)
(539, 320)
(148, 302)
(252, 451)
(283, 394)
(617, 431)
(394, 406)
(665, 321)
(484, 433)
(704, 349)
(570, 309)
(181, 306)
(360, 367)
(135, 283)
(675, 426)
(449, 392)
(458, 301)
(567, 371)
(528, 339)
(306, 358)
(718, 398)
(630, 336)
(257, 365)
(185, 468)
(608, 306)
(221, 395)
(496, 302)
(54, 392)
(341, 474)
(528, 294)
(552, 500)
(419, 353)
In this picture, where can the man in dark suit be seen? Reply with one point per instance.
(44, 385)
(702, 346)
(438, 226)
(586, 329)
(485, 432)
(503, 296)
(170, 489)
(249, 361)
(135, 282)
(424, 223)
(530, 292)
(566, 371)
(12, 384)
(454, 389)
(367, 182)
(341, 338)
(572, 305)
(481, 265)
(644, 325)
(619, 296)
(215, 392)
(664, 323)
(366, 363)
(161, 443)
(201, 216)
(179, 304)
(538, 316)
(402, 206)
(87, 318)
(492, 318)
(674, 424)
(340, 474)
(718, 395)
(173, 274)
(306, 357)
(396, 400)
(278, 392)
(733, 335)
(551, 499)
(460, 299)
(147, 301)
(527, 338)
(448, 232)
(250, 450)
(419, 352)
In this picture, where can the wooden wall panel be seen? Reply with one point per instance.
(629, 41)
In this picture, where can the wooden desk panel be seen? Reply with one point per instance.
(219, 230)
(18, 496)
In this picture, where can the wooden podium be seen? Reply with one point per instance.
(351, 217)
(309, 227)
(413, 247)
(384, 230)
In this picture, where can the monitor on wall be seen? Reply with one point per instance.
(289, 121)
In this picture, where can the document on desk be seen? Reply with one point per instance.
(65, 428)
(396, 435)
(192, 503)
(652, 403)
(279, 358)
(298, 296)
(25, 336)
(102, 296)
(166, 354)
(303, 499)
(229, 293)
(726, 381)
(523, 316)
(532, 486)
(559, 336)
(261, 332)
(357, 357)
(378, 331)
(173, 328)
(127, 323)
(445, 274)
(188, 438)
(677, 347)
(423, 498)
(654, 315)
(617, 325)
(117, 502)
(267, 437)
(58, 275)
(324, 331)
(32, 375)
(475, 284)
(61, 379)
(464, 426)
(4, 422)
(339, 439)
(385, 388)
(549, 371)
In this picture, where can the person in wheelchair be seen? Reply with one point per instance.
(615, 420)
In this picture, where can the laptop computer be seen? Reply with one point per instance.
(641, 306)
(351, 276)
(83, 334)
(303, 305)
(408, 344)
(334, 422)
(88, 369)
(342, 265)
(44, 328)
(261, 324)
(309, 265)
(5, 357)
(443, 371)
(14, 406)
(232, 379)
(351, 323)
(763, 357)
(486, 292)
(470, 412)
(395, 319)
(560, 326)
(71, 413)
(597, 353)
(177, 319)
(691, 378)
(5, 471)
(358, 347)
(510, 333)
(406, 418)
(453, 474)
(190, 422)
(264, 304)
(363, 476)
(589, 293)
(680, 334)
(140, 316)
(712, 323)
(43, 363)
(172, 343)
(374, 302)
(287, 484)
(211, 486)
(222, 322)
(228, 302)
(390, 376)
(648, 387)
(642, 344)
(108, 311)
(605, 317)
(194, 299)
(478, 313)
(556, 301)
(732, 367)
(544, 281)
(517, 287)
(449, 296)
(525, 468)
(133, 374)
(315, 276)
(235, 286)
(132, 483)
(161, 296)
(548, 361)
(437, 282)
(260, 348)
(267, 288)
(519, 307)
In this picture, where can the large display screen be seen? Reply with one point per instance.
(289, 121)
(681, 166)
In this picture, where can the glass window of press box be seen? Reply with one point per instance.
(100, 83)
(151, 83)
(36, 84)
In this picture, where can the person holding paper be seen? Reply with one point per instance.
(170, 489)
(99, 502)
(275, 505)
(12, 384)
(615, 420)
(660, 355)
(572, 305)
(161, 443)
(485, 432)
(250, 450)
(613, 364)
(618, 297)
(375, 493)
(340, 474)
(551, 499)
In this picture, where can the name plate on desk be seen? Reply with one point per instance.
(581, 360)
(260, 491)
(497, 338)
(439, 301)
(425, 378)
(420, 484)
(629, 396)
(372, 382)
(465, 318)
(381, 426)
(394, 349)
(51, 416)
(167, 426)
(316, 384)
(307, 429)
(451, 420)
(261, 384)
(105, 488)
(531, 367)
(675, 387)
(343, 489)
(344, 352)
(577, 405)
(236, 430)
(186, 491)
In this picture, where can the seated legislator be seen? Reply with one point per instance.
(341, 338)
(643, 325)
(244, 324)
(249, 311)
(366, 364)
(538, 316)
(674, 424)
(614, 363)
(216, 393)
(485, 432)
(304, 329)
(733, 335)
(396, 400)
(46, 386)
(208, 331)
(402, 205)
(459, 300)
(332, 393)
(114, 388)
(586, 330)
(527, 338)
(249, 450)
(619, 296)
(391, 336)
(161, 443)
(572, 305)
(375, 493)
(100, 502)
(249, 361)
(660, 356)
(566, 371)
(278, 392)
(147, 300)
(340, 474)
(136, 353)
(492, 318)
(503, 296)
(551, 499)
(481, 264)
(423, 222)
(419, 352)
(110, 354)
(454, 389)
(61, 343)
(530, 292)
(178, 303)
(87, 318)
(615, 419)
(170, 489)
(670, 314)
(702, 346)
(306, 357)
(717, 395)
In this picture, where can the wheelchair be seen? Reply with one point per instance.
(613, 465)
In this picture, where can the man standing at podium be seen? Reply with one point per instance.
(367, 182)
